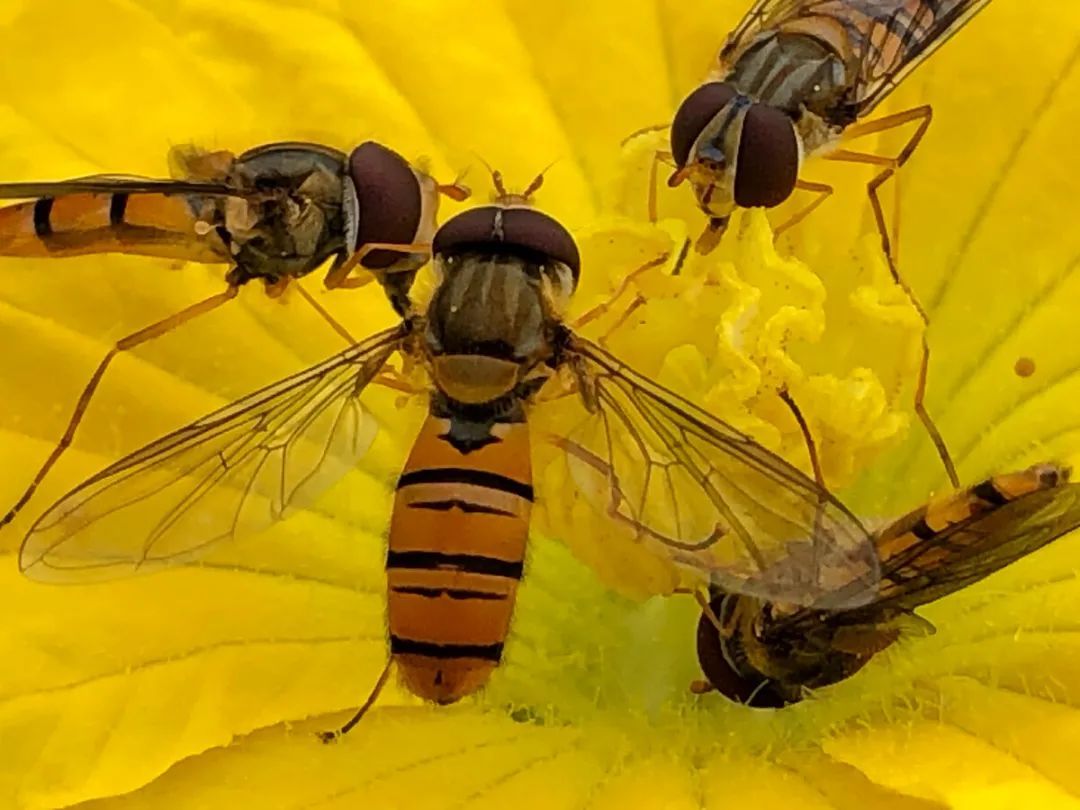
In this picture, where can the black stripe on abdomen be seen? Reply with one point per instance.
(429, 649)
(922, 530)
(453, 593)
(468, 507)
(471, 563)
(117, 207)
(43, 217)
(988, 493)
(464, 475)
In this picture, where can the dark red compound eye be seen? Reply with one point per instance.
(768, 162)
(388, 201)
(730, 683)
(694, 114)
(526, 229)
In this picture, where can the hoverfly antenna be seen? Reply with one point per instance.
(496, 179)
(503, 196)
(642, 132)
(537, 182)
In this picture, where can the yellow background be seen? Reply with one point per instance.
(195, 688)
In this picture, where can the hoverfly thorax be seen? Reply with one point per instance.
(291, 220)
(816, 85)
(735, 152)
(506, 273)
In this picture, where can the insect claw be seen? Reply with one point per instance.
(701, 687)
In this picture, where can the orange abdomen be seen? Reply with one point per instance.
(918, 534)
(80, 224)
(457, 547)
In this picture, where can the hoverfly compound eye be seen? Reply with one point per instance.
(767, 165)
(694, 114)
(527, 230)
(388, 204)
(716, 664)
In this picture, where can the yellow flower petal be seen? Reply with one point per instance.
(191, 688)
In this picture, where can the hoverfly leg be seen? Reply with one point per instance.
(811, 447)
(637, 133)
(823, 192)
(815, 465)
(890, 244)
(353, 282)
(928, 421)
(393, 380)
(144, 335)
(709, 613)
(890, 165)
(276, 288)
(338, 276)
(336, 734)
(711, 236)
(637, 303)
(654, 180)
(701, 686)
(326, 316)
(389, 378)
(605, 306)
(757, 689)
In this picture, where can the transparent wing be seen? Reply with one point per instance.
(896, 36)
(763, 14)
(969, 551)
(886, 39)
(707, 497)
(961, 555)
(231, 473)
(113, 184)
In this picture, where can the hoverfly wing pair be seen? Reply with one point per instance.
(687, 485)
(110, 184)
(694, 489)
(104, 213)
(884, 39)
(231, 473)
(921, 563)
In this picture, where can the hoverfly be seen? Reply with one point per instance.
(274, 213)
(493, 337)
(798, 78)
(767, 655)
(793, 79)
